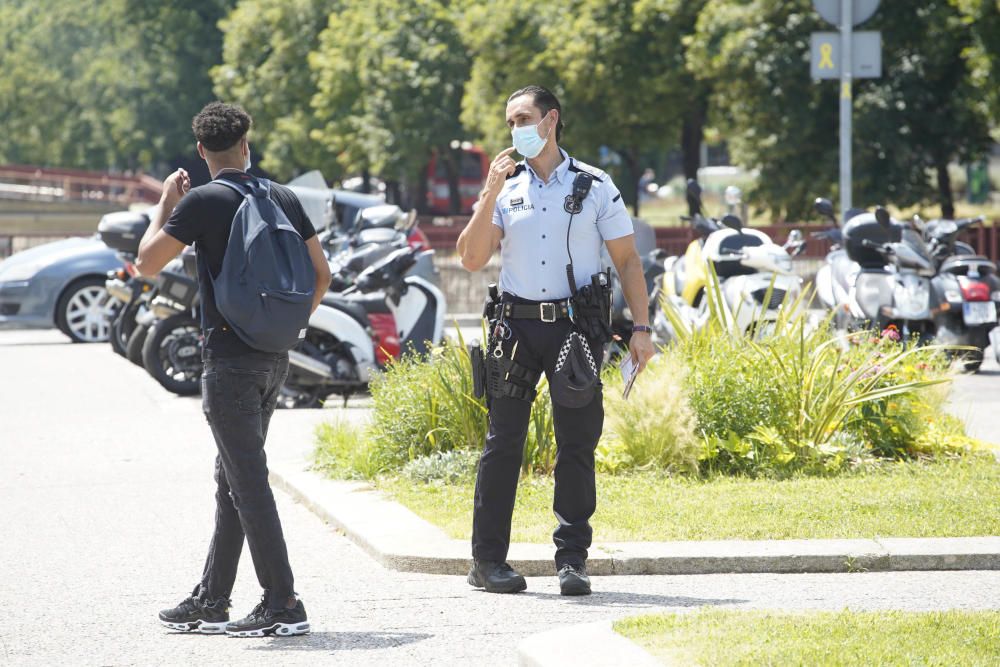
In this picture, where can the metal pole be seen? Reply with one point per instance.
(846, 24)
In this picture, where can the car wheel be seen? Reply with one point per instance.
(85, 310)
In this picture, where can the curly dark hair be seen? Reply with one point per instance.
(219, 126)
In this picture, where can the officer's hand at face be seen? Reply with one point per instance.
(641, 347)
(502, 167)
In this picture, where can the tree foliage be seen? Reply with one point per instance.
(618, 69)
(390, 77)
(381, 85)
(922, 113)
(110, 84)
(265, 68)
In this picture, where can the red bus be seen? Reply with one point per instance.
(473, 167)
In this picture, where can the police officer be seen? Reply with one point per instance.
(547, 239)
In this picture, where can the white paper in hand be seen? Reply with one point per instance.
(629, 370)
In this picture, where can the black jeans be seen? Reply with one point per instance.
(577, 432)
(239, 395)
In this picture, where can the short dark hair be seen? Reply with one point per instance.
(545, 100)
(219, 126)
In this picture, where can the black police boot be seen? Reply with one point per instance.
(496, 577)
(573, 580)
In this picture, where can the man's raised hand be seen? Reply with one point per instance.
(501, 167)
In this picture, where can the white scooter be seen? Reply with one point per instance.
(755, 277)
(355, 334)
(755, 273)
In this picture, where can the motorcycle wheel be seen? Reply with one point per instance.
(122, 328)
(171, 353)
(133, 351)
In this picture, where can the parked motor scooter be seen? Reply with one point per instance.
(122, 231)
(966, 291)
(900, 295)
(755, 274)
(684, 277)
(354, 334)
(172, 349)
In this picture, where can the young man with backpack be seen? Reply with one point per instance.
(261, 273)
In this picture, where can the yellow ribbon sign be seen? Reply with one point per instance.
(826, 56)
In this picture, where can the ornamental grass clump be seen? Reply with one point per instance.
(655, 427)
(425, 405)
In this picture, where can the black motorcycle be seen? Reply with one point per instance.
(172, 349)
(122, 231)
(966, 290)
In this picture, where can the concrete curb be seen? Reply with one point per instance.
(584, 645)
(400, 540)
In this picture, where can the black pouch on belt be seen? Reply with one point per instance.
(478, 370)
(576, 378)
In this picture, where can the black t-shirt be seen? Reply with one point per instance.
(204, 217)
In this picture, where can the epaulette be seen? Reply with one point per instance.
(517, 171)
(574, 168)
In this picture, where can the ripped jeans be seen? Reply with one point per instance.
(239, 395)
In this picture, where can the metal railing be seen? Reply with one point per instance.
(44, 184)
(443, 234)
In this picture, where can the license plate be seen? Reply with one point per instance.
(979, 312)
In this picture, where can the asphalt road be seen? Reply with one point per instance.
(106, 497)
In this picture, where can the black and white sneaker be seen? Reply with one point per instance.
(195, 614)
(263, 621)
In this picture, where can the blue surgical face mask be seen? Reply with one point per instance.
(527, 141)
(247, 168)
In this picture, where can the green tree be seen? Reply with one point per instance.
(618, 69)
(390, 76)
(774, 118)
(925, 112)
(981, 18)
(110, 84)
(919, 116)
(265, 68)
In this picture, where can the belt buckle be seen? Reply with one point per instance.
(551, 311)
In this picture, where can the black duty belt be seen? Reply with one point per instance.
(549, 311)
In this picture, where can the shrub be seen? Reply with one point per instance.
(449, 467)
(424, 406)
(803, 398)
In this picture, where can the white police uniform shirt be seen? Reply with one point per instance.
(530, 213)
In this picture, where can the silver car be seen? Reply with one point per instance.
(60, 284)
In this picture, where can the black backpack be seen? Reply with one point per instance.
(266, 286)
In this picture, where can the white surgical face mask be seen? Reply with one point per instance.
(247, 168)
(527, 141)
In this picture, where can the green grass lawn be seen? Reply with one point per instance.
(953, 499)
(731, 637)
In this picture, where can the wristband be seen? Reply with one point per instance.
(641, 328)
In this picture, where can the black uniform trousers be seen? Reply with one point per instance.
(577, 432)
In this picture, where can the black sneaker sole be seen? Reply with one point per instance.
(204, 627)
(278, 629)
(515, 586)
(574, 588)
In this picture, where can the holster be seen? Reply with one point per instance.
(505, 378)
(592, 307)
